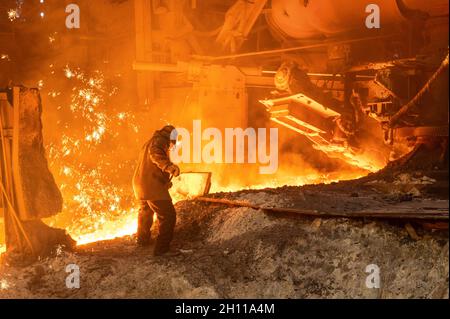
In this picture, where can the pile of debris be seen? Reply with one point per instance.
(241, 252)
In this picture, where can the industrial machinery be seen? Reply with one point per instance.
(365, 82)
(364, 93)
(394, 77)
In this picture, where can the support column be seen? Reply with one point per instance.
(143, 27)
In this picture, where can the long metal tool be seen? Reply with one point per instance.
(292, 49)
(437, 214)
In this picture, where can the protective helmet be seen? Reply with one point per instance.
(170, 131)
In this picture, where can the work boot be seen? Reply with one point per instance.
(161, 250)
(168, 253)
(145, 221)
(143, 242)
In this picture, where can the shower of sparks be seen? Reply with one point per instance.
(85, 167)
(13, 14)
(68, 72)
(54, 94)
(90, 158)
(88, 102)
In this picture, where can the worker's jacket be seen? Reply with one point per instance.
(150, 181)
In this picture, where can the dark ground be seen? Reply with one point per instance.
(229, 252)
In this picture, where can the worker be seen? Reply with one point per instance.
(151, 184)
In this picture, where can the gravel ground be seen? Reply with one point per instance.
(223, 252)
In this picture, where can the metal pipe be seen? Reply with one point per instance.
(437, 214)
(405, 109)
(157, 67)
(298, 48)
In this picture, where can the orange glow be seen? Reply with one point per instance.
(96, 206)
(109, 229)
(110, 226)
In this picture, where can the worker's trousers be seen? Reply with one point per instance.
(166, 215)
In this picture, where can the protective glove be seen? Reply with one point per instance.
(173, 170)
